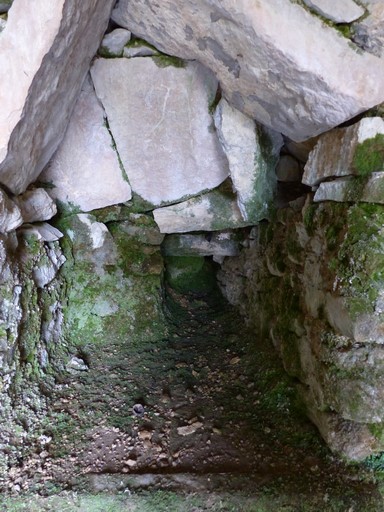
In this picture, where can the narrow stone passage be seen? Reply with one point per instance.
(207, 408)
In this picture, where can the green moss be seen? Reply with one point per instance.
(309, 213)
(369, 155)
(188, 274)
(163, 61)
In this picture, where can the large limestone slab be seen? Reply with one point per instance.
(160, 121)
(276, 61)
(45, 53)
(214, 211)
(252, 157)
(358, 149)
(342, 11)
(85, 171)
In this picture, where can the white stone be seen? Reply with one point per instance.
(334, 152)
(288, 169)
(42, 231)
(98, 232)
(275, 61)
(85, 171)
(251, 162)
(114, 42)
(348, 189)
(339, 11)
(36, 205)
(45, 53)
(10, 215)
(139, 51)
(210, 212)
(160, 121)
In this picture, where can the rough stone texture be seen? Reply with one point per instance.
(288, 169)
(300, 150)
(336, 152)
(85, 171)
(10, 215)
(42, 231)
(36, 205)
(160, 121)
(342, 11)
(349, 189)
(113, 43)
(213, 211)
(219, 244)
(369, 33)
(252, 157)
(30, 328)
(265, 54)
(44, 56)
(316, 286)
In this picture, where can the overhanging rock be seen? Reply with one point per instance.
(45, 53)
(275, 61)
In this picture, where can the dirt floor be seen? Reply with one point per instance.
(205, 420)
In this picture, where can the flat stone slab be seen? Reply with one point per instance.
(358, 149)
(265, 53)
(45, 52)
(218, 244)
(341, 11)
(252, 157)
(159, 118)
(214, 211)
(351, 189)
(85, 171)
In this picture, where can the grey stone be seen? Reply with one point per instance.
(160, 121)
(342, 11)
(113, 43)
(85, 171)
(300, 150)
(213, 211)
(218, 244)
(5, 5)
(42, 231)
(36, 205)
(38, 93)
(351, 189)
(288, 169)
(262, 68)
(252, 159)
(369, 32)
(3, 24)
(334, 152)
(10, 215)
(47, 269)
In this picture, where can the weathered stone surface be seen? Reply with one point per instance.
(262, 68)
(177, 153)
(44, 56)
(310, 285)
(252, 158)
(42, 231)
(288, 169)
(10, 215)
(214, 211)
(219, 244)
(343, 11)
(85, 171)
(2, 24)
(36, 205)
(139, 51)
(113, 43)
(358, 149)
(300, 150)
(370, 190)
(369, 33)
